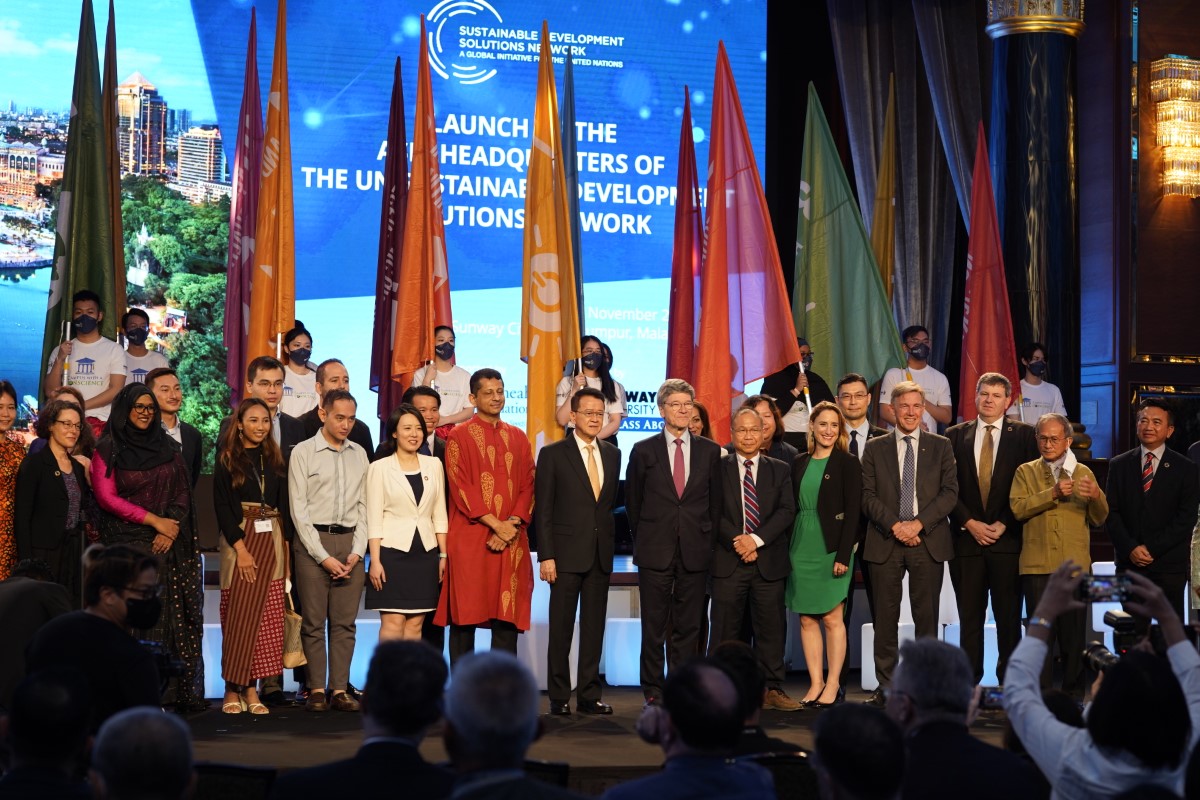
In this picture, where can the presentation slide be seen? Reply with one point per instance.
(632, 62)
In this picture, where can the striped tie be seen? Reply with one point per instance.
(1148, 472)
(752, 518)
(908, 481)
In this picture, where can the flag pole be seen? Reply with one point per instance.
(66, 378)
(807, 396)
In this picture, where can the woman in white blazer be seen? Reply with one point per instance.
(406, 530)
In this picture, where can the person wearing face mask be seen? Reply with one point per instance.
(144, 491)
(452, 382)
(139, 359)
(787, 387)
(299, 378)
(120, 596)
(1038, 395)
(938, 402)
(91, 363)
(591, 370)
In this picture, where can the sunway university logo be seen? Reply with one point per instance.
(443, 40)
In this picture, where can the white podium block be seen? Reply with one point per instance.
(991, 650)
(621, 660)
(870, 682)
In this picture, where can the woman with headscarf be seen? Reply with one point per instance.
(145, 496)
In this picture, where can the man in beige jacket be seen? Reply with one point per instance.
(1058, 500)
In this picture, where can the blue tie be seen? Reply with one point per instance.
(908, 481)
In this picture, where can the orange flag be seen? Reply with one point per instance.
(273, 284)
(423, 296)
(549, 309)
(687, 256)
(746, 327)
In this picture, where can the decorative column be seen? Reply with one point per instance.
(1033, 149)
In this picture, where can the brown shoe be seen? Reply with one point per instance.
(316, 701)
(777, 700)
(342, 701)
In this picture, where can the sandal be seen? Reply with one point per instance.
(234, 706)
(258, 709)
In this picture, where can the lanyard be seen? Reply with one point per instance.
(261, 475)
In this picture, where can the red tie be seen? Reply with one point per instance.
(677, 470)
(1148, 472)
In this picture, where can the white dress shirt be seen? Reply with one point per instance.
(686, 436)
(595, 445)
(1154, 462)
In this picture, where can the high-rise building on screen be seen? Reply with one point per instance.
(142, 127)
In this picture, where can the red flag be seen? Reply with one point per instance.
(424, 290)
(988, 344)
(746, 328)
(243, 221)
(687, 256)
(391, 245)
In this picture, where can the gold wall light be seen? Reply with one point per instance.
(1175, 88)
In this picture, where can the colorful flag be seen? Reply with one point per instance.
(838, 302)
(746, 328)
(112, 166)
(243, 221)
(883, 222)
(571, 170)
(424, 284)
(549, 310)
(83, 253)
(988, 344)
(686, 257)
(391, 245)
(273, 283)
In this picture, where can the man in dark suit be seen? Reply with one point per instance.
(1152, 493)
(164, 383)
(331, 375)
(403, 699)
(428, 402)
(673, 497)
(909, 488)
(29, 598)
(575, 489)
(987, 537)
(751, 560)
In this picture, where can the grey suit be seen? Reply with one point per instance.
(936, 493)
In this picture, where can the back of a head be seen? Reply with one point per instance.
(1140, 708)
(143, 754)
(741, 664)
(936, 676)
(861, 750)
(50, 716)
(405, 683)
(492, 707)
(704, 707)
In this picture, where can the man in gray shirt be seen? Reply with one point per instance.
(326, 480)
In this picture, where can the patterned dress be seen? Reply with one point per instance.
(11, 455)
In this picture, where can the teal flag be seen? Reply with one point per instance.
(83, 253)
(838, 301)
(571, 170)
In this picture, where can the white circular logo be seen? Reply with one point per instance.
(442, 41)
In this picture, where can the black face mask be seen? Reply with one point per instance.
(137, 336)
(85, 324)
(142, 613)
(807, 362)
(1038, 369)
(299, 356)
(920, 352)
(592, 361)
(445, 351)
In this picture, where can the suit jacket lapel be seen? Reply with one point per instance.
(733, 479)
(665, 455)
(611, 459)
(405, 486)
(575, 457)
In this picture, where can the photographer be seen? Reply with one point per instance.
(1141, 723)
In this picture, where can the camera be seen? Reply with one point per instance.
(1099, 658)
(1104, 589)
(991, 697)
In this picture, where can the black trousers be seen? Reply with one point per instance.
(1174, 586)
(1068, 630)
(433, 634)
(671, 597)
(746, 589)
(924, 593)
(462, 639)
(973, 578)
(587, 592)
(848, 611)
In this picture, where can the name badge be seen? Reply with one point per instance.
(262, 526)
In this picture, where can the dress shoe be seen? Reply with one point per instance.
(778, 700)
(342, 701)
(276, 699)
(559, 709)
(316, 701)
(594, 707)
(877, 699)
(652, 700)
(841, 696)
(354, 691)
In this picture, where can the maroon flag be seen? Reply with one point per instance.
(686, 257)
(391, 244)
(988, 344)
(243, 221)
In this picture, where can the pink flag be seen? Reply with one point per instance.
(686, 257)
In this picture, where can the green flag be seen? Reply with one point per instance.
(838, 301)
(83, 254)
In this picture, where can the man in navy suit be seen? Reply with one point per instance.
(1152, 493)
(575, 489)
(427, 401)
(673, 498)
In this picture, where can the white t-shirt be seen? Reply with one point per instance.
(136, 367)
(937, 389)
(299, 393)
(454, 387)
(615, 407)
(91, 364)
(796, 418)
(1045, 398)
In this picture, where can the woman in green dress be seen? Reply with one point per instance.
(828, 485)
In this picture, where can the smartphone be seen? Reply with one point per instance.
(991, 697)
(1104, 589)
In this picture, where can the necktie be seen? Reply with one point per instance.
(854, 443)
(1148, 472)
(908, 481)
(593, 470)
(677, 470)
(985, 464)
(752, 518)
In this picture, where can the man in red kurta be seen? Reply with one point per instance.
(489, 573)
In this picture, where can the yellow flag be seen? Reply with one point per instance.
(883, 224)
(273, 282)
(549, 310)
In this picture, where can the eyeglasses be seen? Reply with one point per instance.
(743, 431)
(591, 414)
(71, 426)
(1051, 439)
(855, 396)
(147, 592)
(677, 406)
(142, 408)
